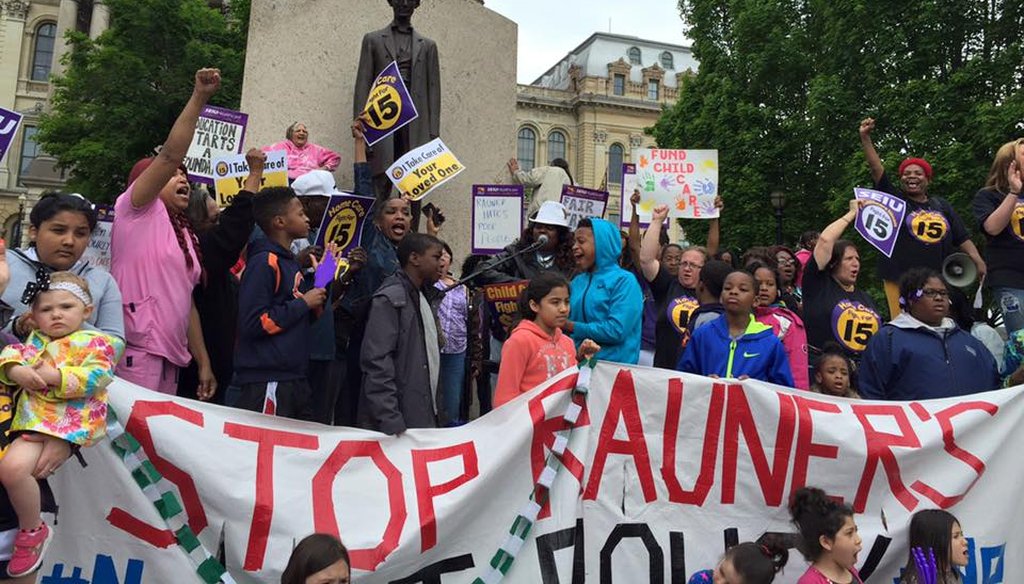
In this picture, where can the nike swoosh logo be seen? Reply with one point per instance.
(750, 355)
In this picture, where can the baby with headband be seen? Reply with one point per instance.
(62, 372)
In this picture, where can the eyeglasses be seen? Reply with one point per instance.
(785, 262)
(690, 265)
(935, 294)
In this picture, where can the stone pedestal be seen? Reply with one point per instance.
(301, 65)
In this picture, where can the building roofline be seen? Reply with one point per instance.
(610, 36)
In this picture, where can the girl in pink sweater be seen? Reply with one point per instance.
(828, 538)
(537, 350)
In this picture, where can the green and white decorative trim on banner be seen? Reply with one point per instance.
(168, 505)
(503, 559)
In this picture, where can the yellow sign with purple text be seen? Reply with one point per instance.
(229, 174)
(423, 169)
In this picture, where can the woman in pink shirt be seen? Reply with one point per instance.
(828, 538)
(156, 261)
(303, 155)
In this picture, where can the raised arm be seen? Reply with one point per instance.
(715, 229)
(874, 162)
(650, 247)
(831, 234)
(149, 183)
(634, 226)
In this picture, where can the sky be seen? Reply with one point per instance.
(549, 29)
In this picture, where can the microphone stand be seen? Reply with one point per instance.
(492, 263)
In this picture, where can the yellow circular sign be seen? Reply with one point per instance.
(383, 108)
(397, 173)
(222, 168)
(854, 324)
(1017, 221)
(928, 226)
(342, 228)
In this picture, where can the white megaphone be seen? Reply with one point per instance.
(959, 270)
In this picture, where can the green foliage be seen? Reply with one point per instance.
(121, 92)
(783, 84)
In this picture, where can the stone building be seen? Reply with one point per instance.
(592, 106)
(31, 45)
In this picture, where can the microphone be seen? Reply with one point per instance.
(541, 241)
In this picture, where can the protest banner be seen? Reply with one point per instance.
(9, 123)
(388, 106)
(97, 253)
(229, 174)
(581, 203)
(344, 220)
(660, 472)
(879, 220)
(685, 180)
(219, 133)
(423, 169)
(497, 217)
(503, 300)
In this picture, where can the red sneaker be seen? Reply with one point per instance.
(29, 547)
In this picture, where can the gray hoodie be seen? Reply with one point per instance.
(107, 315)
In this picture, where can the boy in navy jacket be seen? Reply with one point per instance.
(274, 314)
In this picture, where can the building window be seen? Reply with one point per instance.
(652, 89)
(620, 84)
(615, 164)
(29, 151)
(556, 145)
(666, 61)
(634, 55)
(42, 55)
(526, 149)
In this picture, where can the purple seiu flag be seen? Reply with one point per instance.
(388, 106)
(9, 122)
(879, 220)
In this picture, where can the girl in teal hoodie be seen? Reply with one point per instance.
(606, 304)
(736, 346)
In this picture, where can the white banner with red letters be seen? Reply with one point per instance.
(661, 473)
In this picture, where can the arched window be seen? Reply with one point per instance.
(556, 145)
(42, 53)
(615, 164)
(634, 55)
(526, 149)
(666, 61)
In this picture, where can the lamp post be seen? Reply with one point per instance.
(778, 200)
(16, 239)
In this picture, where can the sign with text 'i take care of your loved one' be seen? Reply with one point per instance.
(423, 169)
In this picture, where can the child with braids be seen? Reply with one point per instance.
(747, 563)
(156, 261)
(62, 372)
(828, 538)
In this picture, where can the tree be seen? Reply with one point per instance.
(121, 92)
(782, 85)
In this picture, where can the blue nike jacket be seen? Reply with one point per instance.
(758, 354)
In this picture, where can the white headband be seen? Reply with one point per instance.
(73, 288)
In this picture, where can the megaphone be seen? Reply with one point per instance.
(959, 270)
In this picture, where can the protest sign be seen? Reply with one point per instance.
(503, 300)
(219, 133)
(388, 106)
(661, 471)
(685, 180)
(9, 122)
(97, 253)
(497, 217)
(423, 169)
(343, 221)
(879, 220)
(229, 174)
(581, 203)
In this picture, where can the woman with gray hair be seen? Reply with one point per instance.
(303, 155)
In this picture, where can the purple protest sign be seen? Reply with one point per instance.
(388, 107)
(581, 203)
(219, 133)
(497, 217)
(879, 220)
(343, 221)
(9, 122)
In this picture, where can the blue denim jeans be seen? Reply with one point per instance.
(452, 380)
(1011, 304)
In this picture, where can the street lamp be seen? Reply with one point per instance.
(778, 200)
(16, 239)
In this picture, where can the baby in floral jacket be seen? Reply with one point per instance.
(62, 372)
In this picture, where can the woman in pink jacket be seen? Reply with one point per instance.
(785, 323)
(303, 155)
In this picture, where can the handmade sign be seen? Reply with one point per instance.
(581, 203)
(503, 300)
(423, 169)
(878, 221)
(388, 107)
(9, 123)
(219, 133)
(497, 217)
(685, 180)
(97, 253)
(661, 471)
(343, 221)
(230, 171)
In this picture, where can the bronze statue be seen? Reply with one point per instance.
(418, 63)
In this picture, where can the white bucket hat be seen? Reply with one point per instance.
(314, 183)
(551, 213)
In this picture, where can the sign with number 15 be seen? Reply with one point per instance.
(388, 107)
(880, 218)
